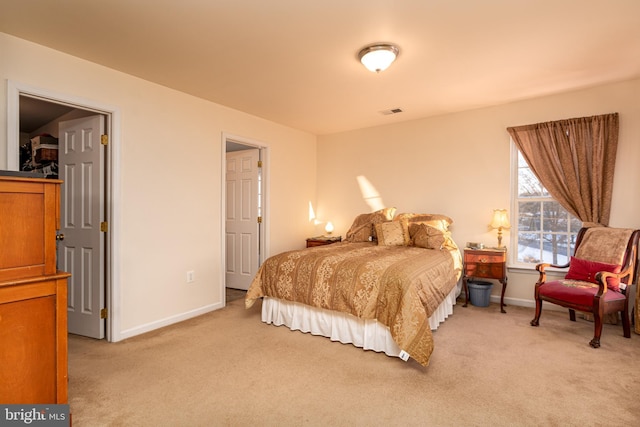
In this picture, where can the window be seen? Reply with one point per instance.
(544, 230)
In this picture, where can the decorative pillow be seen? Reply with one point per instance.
(362, 233)
(368, 219)
(361, 230)
(426, 236)
(391, 233)
(441, 222)
(388, 213)
(585, 270)
(405, 229)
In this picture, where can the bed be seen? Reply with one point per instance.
(385, 288)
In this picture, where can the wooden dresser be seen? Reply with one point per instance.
(322, 240)
(33, 294)
(487, 264)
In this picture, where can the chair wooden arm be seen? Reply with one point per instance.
(543, 266)
(602, 276)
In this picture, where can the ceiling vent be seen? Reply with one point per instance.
(392, 111)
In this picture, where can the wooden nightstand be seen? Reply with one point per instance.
(322, 240)
(486, 264)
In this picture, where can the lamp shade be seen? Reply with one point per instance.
(500, 219)
(328, 227)
(378, 57)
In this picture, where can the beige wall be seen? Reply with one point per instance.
(458, 164)
(171, 180)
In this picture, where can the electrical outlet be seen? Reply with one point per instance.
(190, 276)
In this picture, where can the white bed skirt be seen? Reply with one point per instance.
(345, 328)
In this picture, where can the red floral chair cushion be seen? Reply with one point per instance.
(578, 292)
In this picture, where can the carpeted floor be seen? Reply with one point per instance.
(228, 368)
(234, 294)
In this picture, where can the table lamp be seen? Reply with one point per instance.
(328, 228)
(500, 220)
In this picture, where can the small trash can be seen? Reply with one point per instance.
(479, 292)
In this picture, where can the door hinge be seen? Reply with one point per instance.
(104, 313)
(259, 163)
(259, 220)
(104, 227)
(104, 139)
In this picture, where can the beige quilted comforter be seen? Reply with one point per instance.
(399, 286)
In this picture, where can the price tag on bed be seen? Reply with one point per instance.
(403, 355)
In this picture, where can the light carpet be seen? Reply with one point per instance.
(228, 368)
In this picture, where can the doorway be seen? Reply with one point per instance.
(244, 207)
(37, 111)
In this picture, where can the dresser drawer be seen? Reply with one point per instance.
(484, 257)
(486, 270)
(486, 264)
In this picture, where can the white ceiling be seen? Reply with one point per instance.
(295, 61)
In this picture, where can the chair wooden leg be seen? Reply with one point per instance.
(536, 319)
(626, 324)
(572, 315)
(597, 321)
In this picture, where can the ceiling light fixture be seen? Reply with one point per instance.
(377, 57)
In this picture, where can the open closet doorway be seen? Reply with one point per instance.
(77, 152)
(244, 211)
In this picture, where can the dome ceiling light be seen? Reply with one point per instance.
(377, 57)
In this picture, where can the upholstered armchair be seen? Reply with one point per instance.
(599, 278)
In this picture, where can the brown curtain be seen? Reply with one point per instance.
(574, 159)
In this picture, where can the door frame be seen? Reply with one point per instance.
(112, 180)
(263, 230)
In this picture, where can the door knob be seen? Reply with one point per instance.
(59, 236)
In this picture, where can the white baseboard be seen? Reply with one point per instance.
(148, 327)
(526, 303)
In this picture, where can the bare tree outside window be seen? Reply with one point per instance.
(546, 232)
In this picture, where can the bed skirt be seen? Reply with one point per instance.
(345, 328)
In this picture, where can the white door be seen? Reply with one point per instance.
(80, 158)
(242, 227)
